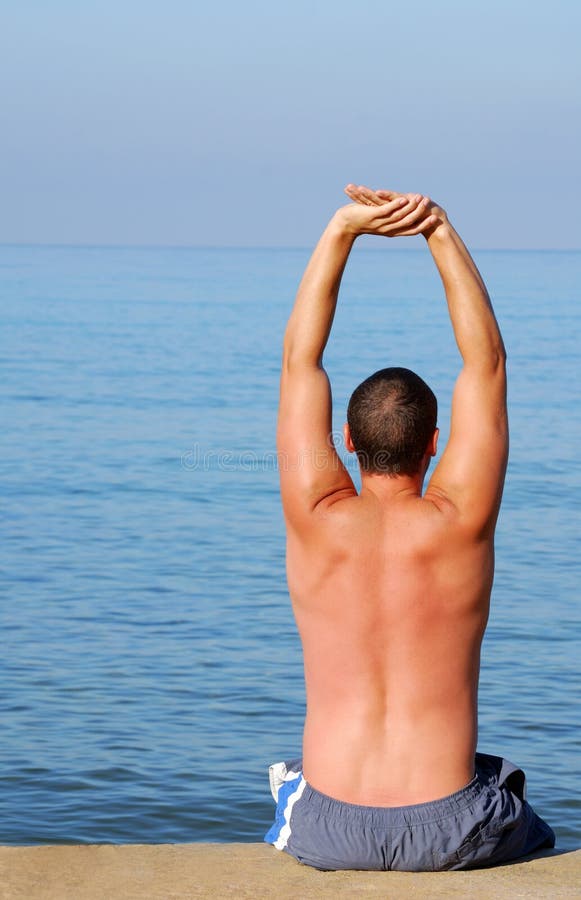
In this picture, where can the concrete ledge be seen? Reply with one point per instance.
(255, 872)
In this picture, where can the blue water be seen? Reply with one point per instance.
(150, 670)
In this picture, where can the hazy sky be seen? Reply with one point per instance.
(238, 123)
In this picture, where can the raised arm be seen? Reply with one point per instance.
(311, 473)
(470, 474)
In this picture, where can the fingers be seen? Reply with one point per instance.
(425, 225)
(403, 211)
(410, 215)
(364, 195)
(392, 212)
(370, 197)
(354, 193)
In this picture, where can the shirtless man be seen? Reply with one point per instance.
(391, 587)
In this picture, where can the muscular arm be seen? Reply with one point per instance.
(471, 472)
(312, 475)
(309, 325)
(310, 468)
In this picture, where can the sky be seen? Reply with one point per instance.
(239, 123)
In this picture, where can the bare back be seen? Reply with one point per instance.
(391, 601)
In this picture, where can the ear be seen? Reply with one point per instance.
(434, 442)
(347, 438)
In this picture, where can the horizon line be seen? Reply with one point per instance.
(160, 246)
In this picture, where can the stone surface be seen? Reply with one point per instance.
(256, 872)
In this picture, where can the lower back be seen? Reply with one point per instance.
(390, 760)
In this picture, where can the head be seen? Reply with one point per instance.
(391, 423)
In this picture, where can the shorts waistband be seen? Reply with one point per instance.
(382, 816)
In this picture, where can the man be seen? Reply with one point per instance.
(391, 587)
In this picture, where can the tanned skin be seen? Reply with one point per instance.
(391, 587)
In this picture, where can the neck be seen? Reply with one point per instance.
(388, 487)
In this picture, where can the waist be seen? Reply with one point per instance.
(405, 814)
(393, 765)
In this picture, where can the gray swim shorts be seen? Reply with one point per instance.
(485, 823)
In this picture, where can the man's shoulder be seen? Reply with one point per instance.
(351, 505)
(349, 514)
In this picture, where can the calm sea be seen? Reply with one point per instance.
(150, 669)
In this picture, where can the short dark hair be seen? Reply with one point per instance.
(392, 416)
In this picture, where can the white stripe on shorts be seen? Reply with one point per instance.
(285, 831)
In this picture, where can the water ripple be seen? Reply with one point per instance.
(150, 657)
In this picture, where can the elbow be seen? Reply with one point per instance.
(495, 352)
(294, 357)
(489, 362)
(502, 355)
(499, 357)
(495, 367)
(494, 356)
(501, 350)
(288, 349)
